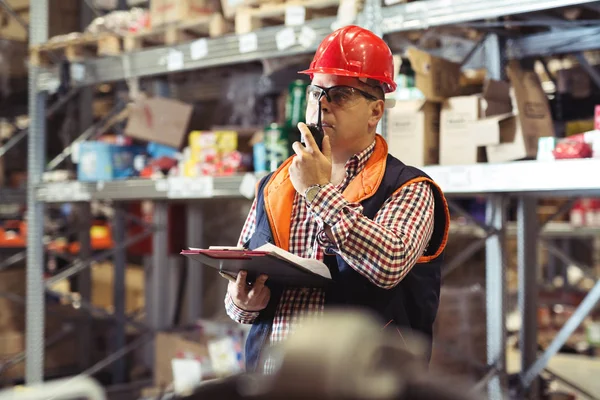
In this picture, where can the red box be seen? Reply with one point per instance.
(597, 118)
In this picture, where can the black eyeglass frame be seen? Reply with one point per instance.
(325, 92)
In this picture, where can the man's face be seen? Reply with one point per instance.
(350, 118)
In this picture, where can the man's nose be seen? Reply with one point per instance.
(325, 104)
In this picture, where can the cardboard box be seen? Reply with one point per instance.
(99, 161)
(461, 140)
(159, 120)
(436, 77)
(533, 118)
(413, 132)
(168, 11)
(63, 18)
(574, 81)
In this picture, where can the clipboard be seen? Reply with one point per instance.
(257, 262)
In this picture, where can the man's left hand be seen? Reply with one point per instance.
(311, 166)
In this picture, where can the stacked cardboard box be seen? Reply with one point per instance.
(459, 122)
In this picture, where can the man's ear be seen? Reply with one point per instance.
(376, 109)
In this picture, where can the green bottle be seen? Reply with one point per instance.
(295, 106)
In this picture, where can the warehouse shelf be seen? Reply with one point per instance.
(432, 13)
(523, 181)
(265, 43)
(174, 188)
(226, 50)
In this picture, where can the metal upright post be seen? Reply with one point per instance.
(119, 339)
(194, 289)
(496, 296)
(84, 281)
(34, 340)
(84, 278)
(495, 274)
(527, 270)
(158, 307)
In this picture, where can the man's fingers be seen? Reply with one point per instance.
(258, 287)
(298, 148)
(240, 281)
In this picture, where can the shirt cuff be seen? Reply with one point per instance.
(328, 204)
(237, 314)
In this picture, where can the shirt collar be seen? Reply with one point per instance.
(357, 162)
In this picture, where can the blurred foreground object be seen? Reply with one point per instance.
(344, 355)
(75, 388)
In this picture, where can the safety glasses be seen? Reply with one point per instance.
(341, 95)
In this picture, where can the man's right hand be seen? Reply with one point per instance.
(253, 297)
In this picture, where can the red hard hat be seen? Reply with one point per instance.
(355, 51)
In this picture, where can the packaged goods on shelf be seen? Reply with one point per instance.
(168, 11)
(212, 153)
(186, 357)
(100, 161)
(413, 132)
(533, 118)
(585, 212)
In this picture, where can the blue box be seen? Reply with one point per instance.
(157, 150)
(99, 161)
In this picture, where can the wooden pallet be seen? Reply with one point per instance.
(213, 25)
(80, 46)
(75, 49)
(248, 18)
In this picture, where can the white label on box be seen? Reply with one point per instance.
(190, 188)
(248, 42)
(175, 60)
(198, 49)
(285, 38)
(187, 375)
(295, 15)
(77, 72)
(307, 37)
(248, 186)
(161, 185)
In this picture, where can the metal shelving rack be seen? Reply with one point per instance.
(523, 181)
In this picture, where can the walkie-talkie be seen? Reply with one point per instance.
(317, 131)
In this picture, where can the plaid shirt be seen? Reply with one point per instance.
(383, 250)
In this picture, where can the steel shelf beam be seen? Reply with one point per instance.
(555, 42)
(136, 189)
(533, 178)
(432, 13)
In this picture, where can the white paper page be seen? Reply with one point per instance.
(312, 265)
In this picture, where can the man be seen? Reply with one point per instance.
(380, 226)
